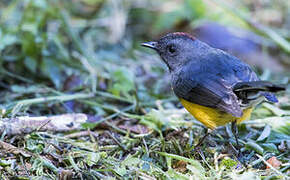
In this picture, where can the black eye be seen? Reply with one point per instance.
(171, 49)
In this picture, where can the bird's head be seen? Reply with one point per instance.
(175, 48)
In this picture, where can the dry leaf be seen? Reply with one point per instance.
(274, 162)
(180, 166)
(139, 129)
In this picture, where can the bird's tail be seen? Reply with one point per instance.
(254, 89)
(258, 86)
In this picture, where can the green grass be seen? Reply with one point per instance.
(60, 57)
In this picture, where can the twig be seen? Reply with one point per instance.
(59, 123)
(14, 150)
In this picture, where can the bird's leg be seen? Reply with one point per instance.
(201, 140)
(235, 132)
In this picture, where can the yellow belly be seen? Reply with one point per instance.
(212, 118)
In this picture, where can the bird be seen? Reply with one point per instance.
(215, 87)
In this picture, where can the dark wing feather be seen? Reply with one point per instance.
(258, 86)
(246, 90)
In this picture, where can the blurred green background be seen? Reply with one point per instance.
(91, 45)
(85, 56)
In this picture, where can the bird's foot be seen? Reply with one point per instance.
(199, 144)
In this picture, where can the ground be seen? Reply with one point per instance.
(83, 59)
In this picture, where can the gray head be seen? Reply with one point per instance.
(176, 48)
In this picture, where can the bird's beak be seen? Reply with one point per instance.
(152, 44)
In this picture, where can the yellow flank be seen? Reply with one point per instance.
(212, 118)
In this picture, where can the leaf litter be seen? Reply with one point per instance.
(59, 61)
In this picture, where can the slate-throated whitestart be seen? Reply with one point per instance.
(214, 86)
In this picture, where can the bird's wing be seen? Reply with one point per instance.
(210, 93)
(210, 82)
